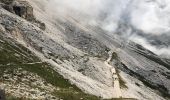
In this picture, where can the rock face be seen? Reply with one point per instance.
(84, 41)
(22, 9)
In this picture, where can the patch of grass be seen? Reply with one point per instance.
(17, 55)
(114, 56)
(45, 71)
(121, 81)
(73, 95)
(10, 97)
(123, 99)
(67, 90)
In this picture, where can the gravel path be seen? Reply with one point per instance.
(116, 85)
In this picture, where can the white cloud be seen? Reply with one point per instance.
(151, 17)
(159, 51)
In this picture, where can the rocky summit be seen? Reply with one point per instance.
(48, 52)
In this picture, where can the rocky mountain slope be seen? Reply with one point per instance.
(58, 58)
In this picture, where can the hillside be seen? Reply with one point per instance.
(57, 57)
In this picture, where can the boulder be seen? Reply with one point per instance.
(22, 9)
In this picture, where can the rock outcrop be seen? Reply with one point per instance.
(22, 9)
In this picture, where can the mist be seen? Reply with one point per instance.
(149, 16)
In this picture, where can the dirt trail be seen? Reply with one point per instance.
(116, 85)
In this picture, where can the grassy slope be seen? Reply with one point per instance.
(14, 56)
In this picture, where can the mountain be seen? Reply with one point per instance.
(48, 56)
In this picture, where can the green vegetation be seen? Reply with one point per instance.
(123, 99)
(114, 56)
(9, 97)
(70, 94)
(121, 81)
(14, 56)
(66, 90)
